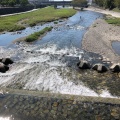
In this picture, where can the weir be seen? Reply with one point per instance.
(48, 106)
(51, 87)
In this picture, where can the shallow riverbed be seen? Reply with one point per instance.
(116, 47)
(50, 65)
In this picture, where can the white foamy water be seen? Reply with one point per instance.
(52, 49)
(106, 94)
(42, 58)
(4, 118)
(50, 80)
(45, 69)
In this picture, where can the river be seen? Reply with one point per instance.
(50, 64)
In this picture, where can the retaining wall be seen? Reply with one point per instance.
(40, 106)
(4, 11)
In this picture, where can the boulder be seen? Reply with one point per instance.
(115, 68)
(83, 64)
(6, 61)
(100, 68)
(3, 68)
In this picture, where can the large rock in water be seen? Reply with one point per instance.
(115, 68)
(100, 68)
(6, 61)
(83, 64)
(3, 68)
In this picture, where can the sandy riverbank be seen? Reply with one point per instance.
(107, 12)
(99, 37)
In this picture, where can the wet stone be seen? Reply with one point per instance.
(46, 111)
(15, 101)
(53, 112)
(54, 108)
(49, 106)
(98, 117)
(74, 102)
(32, 106)
(16, 96)
(8, 103)
(68, 105)
(21, 98)
(17, 107)
(60, 108)
(36, 108)
(70, 101)
(59, 101)
(27, 113)
(64, 102)
(31, 101)
(37, 103)
(115, 113)
(55, 104)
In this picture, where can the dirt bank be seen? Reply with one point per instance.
(107, 12)
(99, 37)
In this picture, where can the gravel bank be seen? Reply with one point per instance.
(99, 37)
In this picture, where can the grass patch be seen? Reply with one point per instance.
(115, 21)
(36, 35)
(18, 22)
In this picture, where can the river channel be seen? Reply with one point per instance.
(50, 64)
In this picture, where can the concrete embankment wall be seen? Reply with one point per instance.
(4, 11)
(45, 106)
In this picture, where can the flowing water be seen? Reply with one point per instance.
(116, 47)
(50, 64)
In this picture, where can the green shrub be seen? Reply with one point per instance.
(36, 35)
(115, 21)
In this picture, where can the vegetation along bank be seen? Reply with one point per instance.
(37, 35)
(19, 22)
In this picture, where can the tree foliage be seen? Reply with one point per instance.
(23, 2)
(108, 3)
(79, 2)
(117, 3)
(13, 2)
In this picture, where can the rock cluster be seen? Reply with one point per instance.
(98, 67)
(4, 64)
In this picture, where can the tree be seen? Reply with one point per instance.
(17, 1)
(23, 2)
(106, 3)
(79, 2)
(4, 2)
(11, 2)
(117, 3)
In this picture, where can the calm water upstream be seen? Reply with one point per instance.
(49, 64)
(116, 47)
